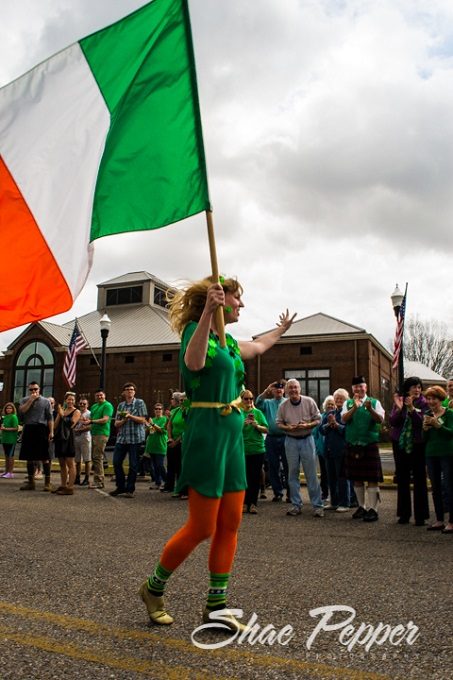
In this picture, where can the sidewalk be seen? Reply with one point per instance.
(387, 468)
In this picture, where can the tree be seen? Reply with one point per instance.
(428, 342)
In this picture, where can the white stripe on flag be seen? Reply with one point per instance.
(53, 126)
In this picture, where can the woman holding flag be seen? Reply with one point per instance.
(213, 465)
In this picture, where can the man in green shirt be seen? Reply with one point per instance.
(363, 416)
(101, 415)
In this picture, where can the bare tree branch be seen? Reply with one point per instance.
(427, 342)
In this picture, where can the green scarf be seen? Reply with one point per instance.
(406, 440)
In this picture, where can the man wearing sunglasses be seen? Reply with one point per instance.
(38, 431)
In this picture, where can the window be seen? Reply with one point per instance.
(34, 363)
(385, 396)
(314, 383)
(306, 349)
(124, 296)
(167, 356)
(160, 297)
(129, 359)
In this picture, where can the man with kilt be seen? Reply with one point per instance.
(363, 416)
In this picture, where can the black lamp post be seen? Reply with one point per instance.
(105, 324)
(397, 299)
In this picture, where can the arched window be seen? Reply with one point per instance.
(35, 363)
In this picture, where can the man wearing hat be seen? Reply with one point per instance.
(268, 402)
(362, 416)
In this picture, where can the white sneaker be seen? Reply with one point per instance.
(341, 508)
(318, 512)
(294, 511)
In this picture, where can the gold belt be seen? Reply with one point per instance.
(225, 409)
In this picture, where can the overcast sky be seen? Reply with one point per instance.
(328, 129)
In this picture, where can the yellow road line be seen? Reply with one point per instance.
(157, 670)
(235, 655)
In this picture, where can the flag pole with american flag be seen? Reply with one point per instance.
(398, 356)
(76, 344)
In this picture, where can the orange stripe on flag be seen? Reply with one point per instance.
(32, 286)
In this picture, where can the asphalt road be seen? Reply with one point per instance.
(71, 566)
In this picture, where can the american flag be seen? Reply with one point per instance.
(399, 333)
(76, 344)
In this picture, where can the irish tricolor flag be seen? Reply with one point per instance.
(102, 138)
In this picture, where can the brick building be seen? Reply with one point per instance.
(322, 352)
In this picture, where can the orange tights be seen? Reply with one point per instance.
(216, 517)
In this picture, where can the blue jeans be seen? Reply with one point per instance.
(303, 451)
(276, 459)
(119, 454)
(159, 469)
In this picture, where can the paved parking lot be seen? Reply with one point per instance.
(71, 567)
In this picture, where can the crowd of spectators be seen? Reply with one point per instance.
(284, 431)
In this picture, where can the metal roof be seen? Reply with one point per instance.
(133, 277)
(61, 334)
(416, 368)
(319, 324)
(132, 326)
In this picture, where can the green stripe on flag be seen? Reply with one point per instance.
(153, 170)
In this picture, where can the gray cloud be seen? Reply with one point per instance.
(329, 139)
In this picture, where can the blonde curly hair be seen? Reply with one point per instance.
(187, 304)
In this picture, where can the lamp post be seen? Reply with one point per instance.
(105, 324)
(397, 298)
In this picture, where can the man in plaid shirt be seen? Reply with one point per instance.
(130, 421)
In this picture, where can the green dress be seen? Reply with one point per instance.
(213, 459)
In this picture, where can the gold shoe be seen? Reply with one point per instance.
(155, 606)
(226, 619)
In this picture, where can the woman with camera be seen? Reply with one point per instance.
(255, 425)
(406, 420)
(438, 435)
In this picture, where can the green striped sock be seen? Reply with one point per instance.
(218, 584)
(158, 580)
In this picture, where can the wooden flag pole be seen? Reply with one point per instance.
(220, 322)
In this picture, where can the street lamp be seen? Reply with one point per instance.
(397, 298)
(105, 324)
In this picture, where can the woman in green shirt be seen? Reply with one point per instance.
(156, 445)
(213, 465)
(255, 425)
(10, 432)
(175, 429)
(438, 435)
